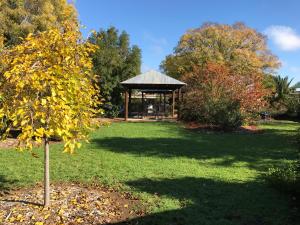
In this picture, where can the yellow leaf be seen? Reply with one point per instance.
(44, 101)
(79, 220)
(39, 223)
(39, 132)
(78, 144)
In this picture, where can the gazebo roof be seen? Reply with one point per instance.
(153, 80)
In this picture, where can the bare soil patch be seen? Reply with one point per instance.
(9, 143)
(70, 204)
(194, 126)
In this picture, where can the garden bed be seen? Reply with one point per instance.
(70, 204)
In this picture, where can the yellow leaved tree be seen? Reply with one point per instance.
(47, 89)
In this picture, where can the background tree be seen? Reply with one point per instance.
(115, 61)
(284, 102)
(282, 88)
(46, 87)
(18, 18)
(234, 60)
(241, 48)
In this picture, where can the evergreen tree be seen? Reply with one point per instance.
(114, 61)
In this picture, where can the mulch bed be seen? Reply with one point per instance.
(70, 204)
(194, 126)
(9, 143)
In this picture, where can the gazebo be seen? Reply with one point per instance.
(152, 82)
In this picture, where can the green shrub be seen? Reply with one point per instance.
(224, 113)
(227, 115)
(111, 111)
(293, 106)
(285, 178)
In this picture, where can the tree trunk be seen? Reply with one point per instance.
(46, 174)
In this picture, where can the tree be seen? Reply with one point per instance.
(282, 88)
(47, 90)
(241, 48)
(217, 96)
(244, 62)
(18, 18)
(115, 61)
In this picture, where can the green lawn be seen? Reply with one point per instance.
(185, 177)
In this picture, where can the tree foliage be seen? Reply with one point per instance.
(18, 18)
(282, 88)
(228, 71)
(218, 96)
(115, 61)
(242, 49)
(46, 87)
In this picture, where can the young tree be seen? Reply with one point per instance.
(18, 18)
(115, 61)
(47, 90)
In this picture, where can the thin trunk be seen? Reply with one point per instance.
(46, 174)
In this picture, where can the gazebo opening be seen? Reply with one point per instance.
(152, 95)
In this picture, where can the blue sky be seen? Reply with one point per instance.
(157, 25)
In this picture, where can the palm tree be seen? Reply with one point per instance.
(283, 89)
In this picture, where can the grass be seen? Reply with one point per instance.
(184, 177)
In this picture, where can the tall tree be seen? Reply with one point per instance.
(114, 60)
(47, 90)
(227, 69)
(241, 48)
(18, 18)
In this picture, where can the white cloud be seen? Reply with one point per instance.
(284, 37)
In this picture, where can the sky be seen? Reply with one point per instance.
(157, 25)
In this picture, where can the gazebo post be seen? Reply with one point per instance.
(159, 107)
(173, 103)
(126, 105)
(164, 104)
(178, 105)
(143, 108)
(129, 103)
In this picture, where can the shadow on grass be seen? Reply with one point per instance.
(5, 184)
(259, 151)
(5, 187)
(205, 201)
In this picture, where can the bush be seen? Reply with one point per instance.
(217, 95)
(111, 111)
(227, 115)
(285, 178)
(224, 113)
